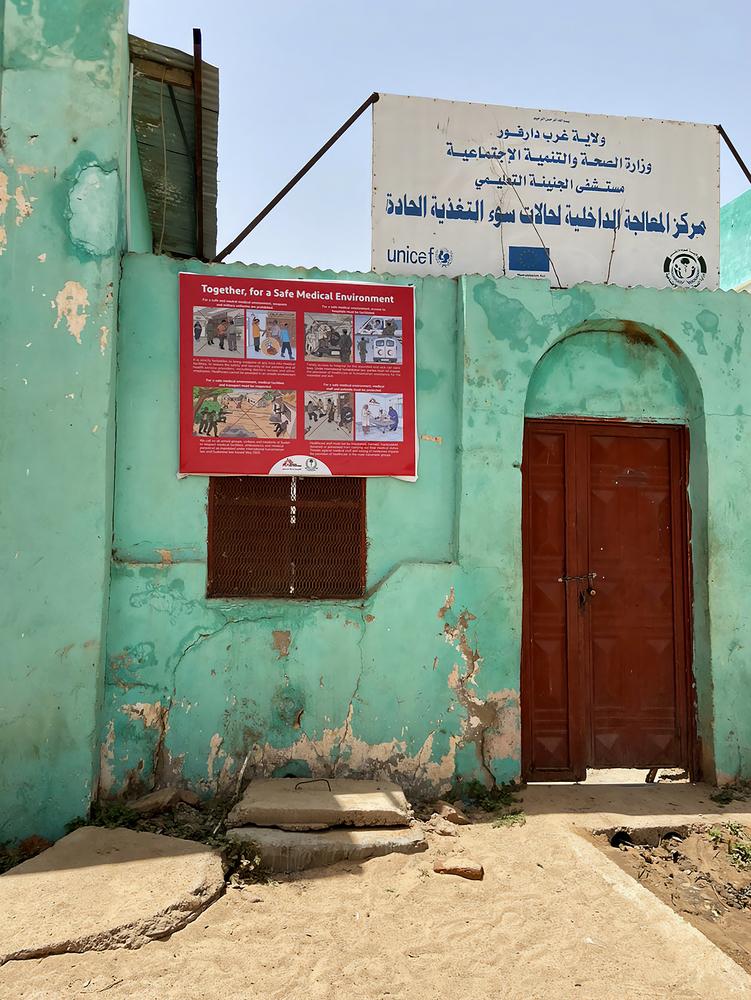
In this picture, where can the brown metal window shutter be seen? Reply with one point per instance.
(286, 537)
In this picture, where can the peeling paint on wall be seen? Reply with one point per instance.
(447, 605)
(23, 205)
(355, 757)
(493, 721)
(4, 197)
(106, 758)
(153, 715)
(165, 768)
(215, 752)
(4, 200)
(71, 302)
(281, 640)
(457, 635)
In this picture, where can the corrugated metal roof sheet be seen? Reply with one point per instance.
(163, 93)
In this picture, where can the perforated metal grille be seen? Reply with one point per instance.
(286, 537)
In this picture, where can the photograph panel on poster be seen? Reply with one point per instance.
(379, 416)
(272, 335)
(218, 333)
(222, 412)
(329, 416)
(378, 339)
(328, 337)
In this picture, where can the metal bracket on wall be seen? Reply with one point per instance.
(734, 151)
(298, 176)
(233, 244)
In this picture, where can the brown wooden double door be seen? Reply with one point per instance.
(606, 633)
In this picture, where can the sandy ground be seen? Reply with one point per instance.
(553, 918)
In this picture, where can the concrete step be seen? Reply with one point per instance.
(285, 851)
(301, 804)
(97, 889)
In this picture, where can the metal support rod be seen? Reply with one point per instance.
(734, 151)
(198, 138)
(298, 176)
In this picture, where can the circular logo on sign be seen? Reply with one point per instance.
(311, 464)
(685, 269)
(444, 256)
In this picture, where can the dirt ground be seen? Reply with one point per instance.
(693, 871)
(553, 918)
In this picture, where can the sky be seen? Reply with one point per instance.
(290, 73)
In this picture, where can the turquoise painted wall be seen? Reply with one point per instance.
(195, 685)
(140, 239)
(735, 242)
(420, 680)
(600, 374)
(64, 68)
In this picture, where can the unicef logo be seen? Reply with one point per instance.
(685, 269)
(444, 256)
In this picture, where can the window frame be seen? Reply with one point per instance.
(215, 590)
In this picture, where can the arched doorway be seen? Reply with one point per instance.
(607, 639)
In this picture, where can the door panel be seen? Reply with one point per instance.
(604, 680)
(634, 693)
(549, 634)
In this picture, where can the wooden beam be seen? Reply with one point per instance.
(160, 71)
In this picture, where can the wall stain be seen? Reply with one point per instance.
(508, 320)
(280, 640)
(427, 379)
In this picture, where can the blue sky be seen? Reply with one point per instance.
(291, 72)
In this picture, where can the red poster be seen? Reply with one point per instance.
(297, 378)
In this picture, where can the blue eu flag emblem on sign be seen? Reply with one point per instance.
(528, 259)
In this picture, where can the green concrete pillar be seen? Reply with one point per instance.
(63, 101)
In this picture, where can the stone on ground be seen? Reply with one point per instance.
(301, 804)
(98, 889)
(284, 851)
(437, 824)
(451, 813)
(161, 799)
(459, 866)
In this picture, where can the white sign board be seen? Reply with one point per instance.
(478, 189)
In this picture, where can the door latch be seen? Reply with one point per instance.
(588, 579)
